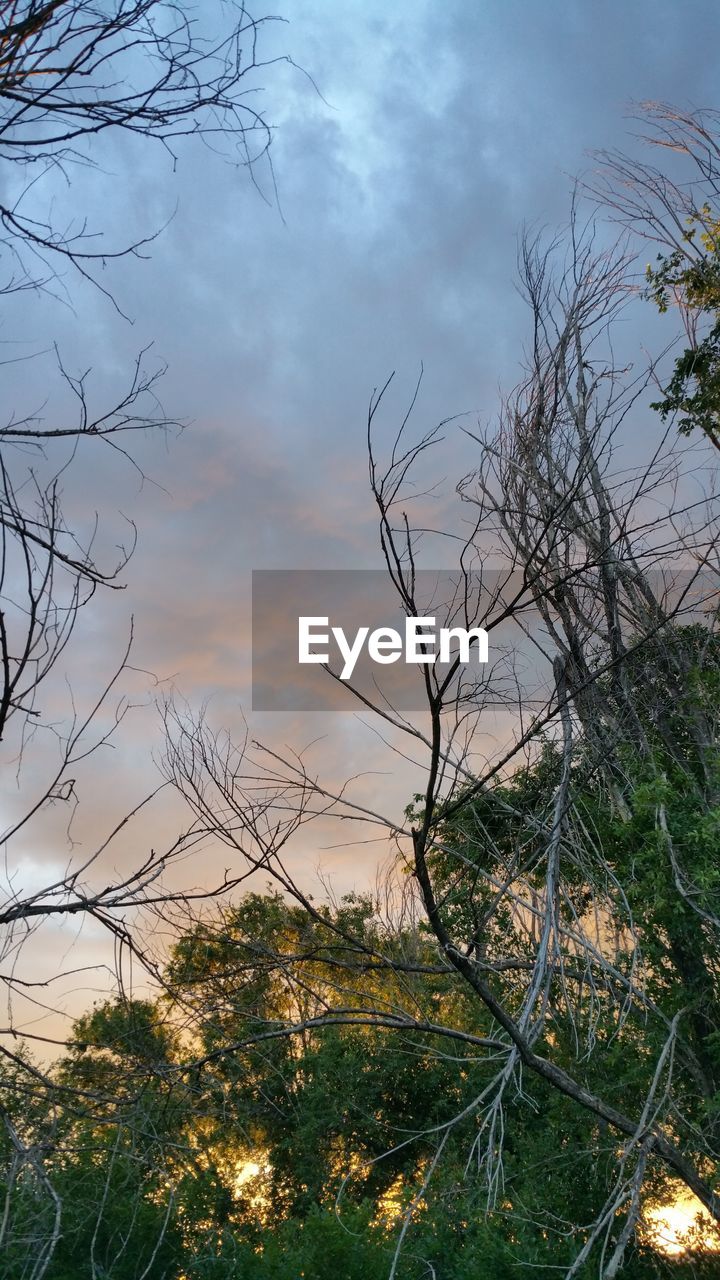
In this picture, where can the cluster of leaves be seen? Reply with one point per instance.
(693, 391)
(148, 1152)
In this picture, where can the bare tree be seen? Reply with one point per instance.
(72, 73)
(603, 563)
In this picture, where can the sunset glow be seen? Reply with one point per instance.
(680, 1227)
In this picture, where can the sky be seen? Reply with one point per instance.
(412, 141)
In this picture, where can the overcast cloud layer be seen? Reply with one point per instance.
(435, 130)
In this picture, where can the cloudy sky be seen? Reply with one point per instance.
(406, 160)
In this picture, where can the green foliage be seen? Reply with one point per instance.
(693, 391)
(321, 1244)
(345, 1120)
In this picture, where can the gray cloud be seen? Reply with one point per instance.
(440, 129)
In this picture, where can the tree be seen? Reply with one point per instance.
(546, 944)
(678, 211)
(73, 74)
(342, 1121)
(341, 1124)
(592, 997)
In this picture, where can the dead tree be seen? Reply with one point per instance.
(600, 563)
(73, 73)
